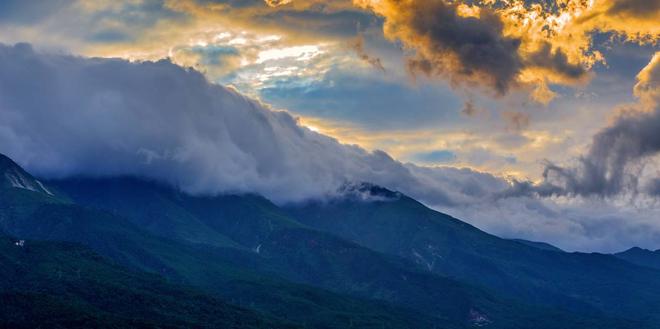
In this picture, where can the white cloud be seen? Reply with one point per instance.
(64, 116)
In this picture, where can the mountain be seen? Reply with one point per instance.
(282, 263)
(641, 257)
(235, 275)
(400, 226)
(64, 285)
(12, 175)
(291, 250)
(539, 245)
(20, 194)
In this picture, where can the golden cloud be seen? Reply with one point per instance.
(499, 44)
(504, 44)
(275, 3)
(647, 88)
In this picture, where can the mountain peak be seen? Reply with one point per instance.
(636, 250)
(13, 176)
(368, 192)
(641, 256)
(6, 162)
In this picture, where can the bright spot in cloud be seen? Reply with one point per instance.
(238, 41)
(298, 52)
(270, 38)
(222, 36)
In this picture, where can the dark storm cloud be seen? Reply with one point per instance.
(464, 48)
(468, 49)
(555, 61)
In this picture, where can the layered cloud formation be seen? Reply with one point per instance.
(500, 45)
(63, 116)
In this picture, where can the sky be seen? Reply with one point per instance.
(535, 119)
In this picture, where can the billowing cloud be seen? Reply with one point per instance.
(65, 116)
(614, 161)
(446, 43)
(167, 123)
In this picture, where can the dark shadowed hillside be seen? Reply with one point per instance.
(63, 285)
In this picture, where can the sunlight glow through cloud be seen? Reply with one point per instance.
(498, 86)
(300, 53)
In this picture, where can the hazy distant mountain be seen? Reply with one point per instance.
(371, 259)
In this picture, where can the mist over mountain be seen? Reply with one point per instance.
(369, 257)
(66, 116)
(334, 164)
(110, 117)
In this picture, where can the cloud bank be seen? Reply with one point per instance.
(63, 116)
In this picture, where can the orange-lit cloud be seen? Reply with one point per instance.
(275, 3)
(504, 44)
(647, 88)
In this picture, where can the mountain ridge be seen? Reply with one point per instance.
(265, 258)
(641, 257)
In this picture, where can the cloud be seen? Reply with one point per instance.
(438, 156)
(363, 96)
(275, 3)
(357, 45)
(499, 45)
(515, 121)
(505, 45)
(64, 116)
(23, 13)
(109, 117)
(469, 108)
(635, 8)
(647, 88)
(462, 48)
(584, 225)
(614, 161)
